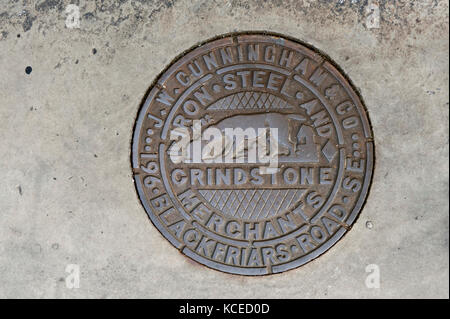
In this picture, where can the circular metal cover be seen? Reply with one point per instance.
(208, 195)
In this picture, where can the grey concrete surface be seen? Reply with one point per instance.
(66, 192)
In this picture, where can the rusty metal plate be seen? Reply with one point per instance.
(252, 154)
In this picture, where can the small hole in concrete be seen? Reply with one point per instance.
(94, 51)
(28, 69)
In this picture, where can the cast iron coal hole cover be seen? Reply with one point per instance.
(252, 154)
